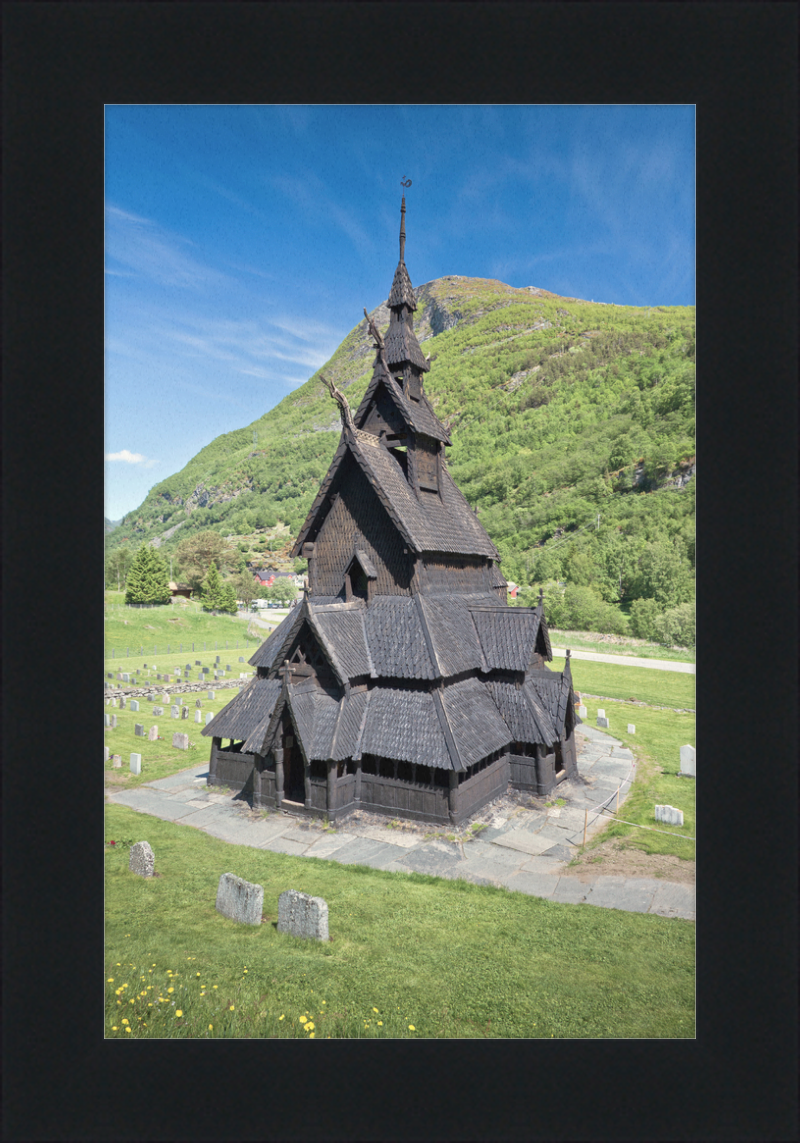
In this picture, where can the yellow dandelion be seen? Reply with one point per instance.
(132, 1001)
(150, 1005)
(310, 1026)
(374, 1009)
(282, 1017)
(170, 990)
(303, 1019)
(110, 980)
(216, 986)
(411, 1028)
(202, 993)
(324, 1002)
(380, 1023)
(244, 970)
(197, 974)
(127, 1029)
(231, 1008)
(119, 964)
(179, 1012)
(124, 1020)
(114, 1028)
(211, 1027)
(313, 1034)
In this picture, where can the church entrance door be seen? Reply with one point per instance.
(294, 788)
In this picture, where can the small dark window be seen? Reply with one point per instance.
(369, 764)
(404, 772)
(387, 768)
(423, 776)
(318, 769)
(441, 777)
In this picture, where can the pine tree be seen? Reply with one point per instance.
(147, 580)
(228, 599)
(212, 590)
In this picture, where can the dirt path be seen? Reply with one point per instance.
(615, 858)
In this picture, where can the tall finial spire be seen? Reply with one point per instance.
(404, 182)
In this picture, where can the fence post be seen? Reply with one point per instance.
(616, 811)
(585, 821)
(127, 652)
(112, 652)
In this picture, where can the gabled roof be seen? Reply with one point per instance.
(404, 725)
(402, 345)
(402, 292)
(507, 635)
(246, 711)
(474, 721)
(418, 415)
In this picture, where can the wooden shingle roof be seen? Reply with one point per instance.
(418, 415)
(246, 711)
(402, 345)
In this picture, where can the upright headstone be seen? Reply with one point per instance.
(136, 763)
(159, 677)
(152, 734)
(134, 704)
(143, 861)
(209, 716)
(228, 667)
(688, 761)
(582, 712)
(601, 713)
(211, 694)
(217, 659)
(180, 741)
(105, 754)
(669, 815)
(126, 677)
(114, 720)
(241, 658)
(157, 710)
(631, 728)
(175, 711)
(122, 704)
(240, 900)
(138, 730)
(184, 712)
(116, 761)
(113, 702)
(188, 666)
(301, 915)
(198, 703)
(198, 716)
(197, 663)
(107, 720)
(603, 722)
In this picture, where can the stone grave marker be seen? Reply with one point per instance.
(113, 702)
(184, 712)
(134, 704)
(152, 734)
(110, 674)
(211, 694)
(175, 711)
(688, 761)
(631, 728)
(158, 677)
(209, 716)
(138, 730)
(603, 722)
(126, 677)
(197, 663)
(228, 667)
(188, 666)
(122, 704)
(217, 659)
(198, 716)
(116, 761)
(198, 703)
(669, 815)
(301, 915)
(180, 741)
(107, 720)
(241, 658)
(240, 900)
(136, 763)
(143, 860)
(105, 754)
(601, 713)
(157, 710)
(114, 721)
(582, 712)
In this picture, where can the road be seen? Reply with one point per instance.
(630, 661)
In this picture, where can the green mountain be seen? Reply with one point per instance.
(110, 525)
(573, 435)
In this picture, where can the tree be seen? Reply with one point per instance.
(195, 554)
(117, 567)
(147, 579)
(247, 588)
(215, 592)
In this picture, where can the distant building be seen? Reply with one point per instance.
(269, 576)
(183, 589)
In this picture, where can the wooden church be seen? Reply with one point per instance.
(403, 684)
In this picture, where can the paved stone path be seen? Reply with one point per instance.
(528, 851)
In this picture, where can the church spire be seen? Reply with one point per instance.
(403, 229)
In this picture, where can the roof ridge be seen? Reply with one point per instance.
(444, 723)
(427, 634)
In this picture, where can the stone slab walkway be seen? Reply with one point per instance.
(526, 852)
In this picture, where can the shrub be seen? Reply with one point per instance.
(643, 617)
(677, 626)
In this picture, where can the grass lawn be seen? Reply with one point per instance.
(410, 957)
(658, 688)
(584, 641)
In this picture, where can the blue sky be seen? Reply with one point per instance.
(242, 242)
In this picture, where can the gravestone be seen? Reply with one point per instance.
(107, 719)
(111, 674)
(184, 712)
(197, 663)
(688, 761)
(138, 730)
(669, 815)
(228, 667)
(167, 679)
(143, 860)
(152, 734)
(134, 704)
(157, 710)
(603, 722)
(175, 711)
(301, 915)
(198, 703)
(114, 720)
(105, 754)
(217, 659)
(136, 763)
(198, 716)
(631, 728)
(113, 702)
(582, 712)
(188, 667)
(180, 741)
(116, 761)
(126, 677)
(158, 676)
(241, 658)
(601, 713)
(211, 694)
(240, 900)
(122, 704)
(206, 670)
(119, 675)
(209, 716)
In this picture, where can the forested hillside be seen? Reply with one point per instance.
(573, 434)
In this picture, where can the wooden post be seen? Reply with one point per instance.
(585, 821)
(257, 781)
(278, 752)
(357, 794)
(616, 811)
(452, 797)
(307, 782)
(331, 786)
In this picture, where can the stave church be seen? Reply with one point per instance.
(403, 684)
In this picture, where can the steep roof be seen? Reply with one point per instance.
(241, 716)
(418, 415)
(402, 345)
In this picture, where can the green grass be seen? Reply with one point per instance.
(656, 746)
(583, 641)
(658, 688)
(410, 955)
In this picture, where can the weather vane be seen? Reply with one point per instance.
(404, 182)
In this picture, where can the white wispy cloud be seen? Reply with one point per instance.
(149, 250)
(129, 457)
(311, 194)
